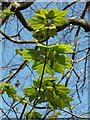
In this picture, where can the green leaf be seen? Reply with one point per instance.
(8, 89)
(52, 116)
(41, 17)
(49, 89)
(29, 54)
(30, 92)
(36, 23)
(39, 67)
(50, 14)
(21, 99)
(50, 78)
(59, 18)
(57, 113)
(59, 48)
(59, 96)
(52, 32)
(63, 61)
(7, 13)
(41, 33)
(33, 115)
(59, 68)
(62, 48)
(61, 13)
(47, 18)
(58, 21)
(43, 12)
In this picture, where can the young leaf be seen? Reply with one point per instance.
(36, 23)
(52, 32)
(50, 78)
(33, 115)
(8, 89)
(29, 54)
(50, 14)
(39, 67)
(59, 68)
(7, 13)
(61, 13)
(30, 92)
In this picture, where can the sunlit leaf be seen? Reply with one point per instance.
(30, 54)
(50, 14)
(59, 68)
(33, 115)
(7, 13)
(30, 92)
(9, 89)
(39, 68)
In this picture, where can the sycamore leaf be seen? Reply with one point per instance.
(52, 32)
(50, 78)
(8, 89)
(30, 92)
(63, 62)
(29, 54)
(62, 48)
(59, 68)
(59, 18)
(36, 23)
(61, 87)
(50, 14)
(58, 21)
(33, 115)
(49, 89)
(41, 33)
(39, 67)
(7, 13)
(47, 18)
(41, 16)
(59, 48)
(61, 13)
(43, 11)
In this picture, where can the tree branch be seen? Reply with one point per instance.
(23, 20)
(17, 71)
(13, 7)
(21, 41)
(76, 21)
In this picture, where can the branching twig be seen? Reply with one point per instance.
(17, 71)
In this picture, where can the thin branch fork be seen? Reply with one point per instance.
(82, 58)
(14, 6)
(17, 41)
(21, 41)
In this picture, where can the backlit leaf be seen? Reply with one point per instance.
(9, 89)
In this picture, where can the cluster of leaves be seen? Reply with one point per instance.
(54, 94)
(56, 60)
(53, 57)
(45, 22)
